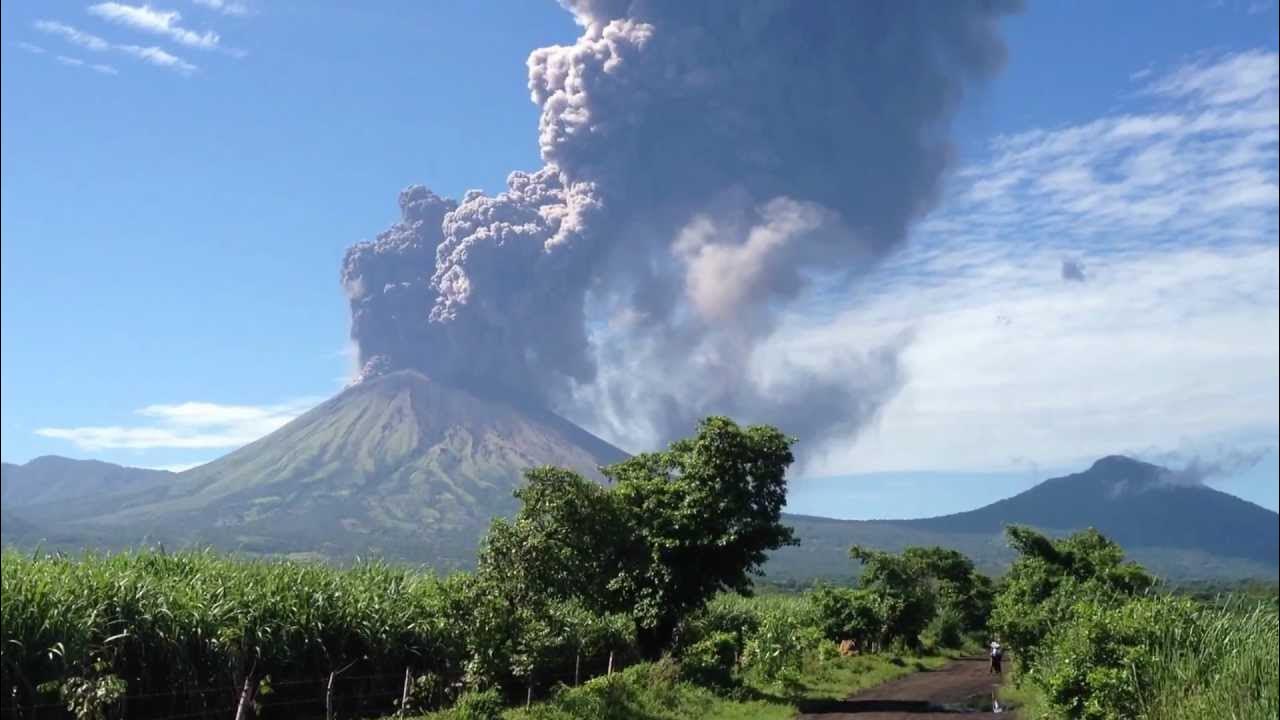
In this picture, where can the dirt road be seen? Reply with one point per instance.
(961, 687)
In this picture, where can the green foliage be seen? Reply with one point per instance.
(1049, 576)
(711, 661)
(1096, 664)
(1224, 659)
(945, 630)
(89, 698)
(1096, 643)
(676, 528)
(477, 705)
(778, 649)
(848, 614)
(907, 591)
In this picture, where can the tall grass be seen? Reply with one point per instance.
(1224, 664)
(181, 624)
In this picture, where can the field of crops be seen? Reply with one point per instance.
(185, 630)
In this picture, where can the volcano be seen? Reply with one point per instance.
(1179, 530)
(397, 466)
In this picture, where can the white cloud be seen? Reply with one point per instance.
(188, 425)
(77, 62)
(176, 467)
(156, 22)
(226, 7)
(31, 48)
(72, 35)
(1169, 342)
(151, 55)
(155, 56)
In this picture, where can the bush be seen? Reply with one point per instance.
(945, 630)
(1095, 666)
(711, 661)
(780, 646)
(477, 705)
(847, 614)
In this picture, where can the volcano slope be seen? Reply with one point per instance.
(397, 466)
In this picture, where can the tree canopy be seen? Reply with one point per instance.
(674, 528)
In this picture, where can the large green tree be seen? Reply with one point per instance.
(674, 528)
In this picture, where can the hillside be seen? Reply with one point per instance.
(398, 466)
(1179, 530)
(51, 479)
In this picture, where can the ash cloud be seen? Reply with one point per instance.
(1202, 469)
(1073, 271)
(705, 165)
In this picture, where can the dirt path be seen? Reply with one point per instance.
(960, 687)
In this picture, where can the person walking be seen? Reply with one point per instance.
(997, 656)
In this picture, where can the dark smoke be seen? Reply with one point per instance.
(1073, 271)
(706, 165)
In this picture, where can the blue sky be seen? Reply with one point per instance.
(173, 223)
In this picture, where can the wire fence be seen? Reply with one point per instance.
(337, 696)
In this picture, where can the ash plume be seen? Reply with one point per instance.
(1200, 469)
(1073, 271)
(706, 166)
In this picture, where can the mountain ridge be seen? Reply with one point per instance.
(405, 468)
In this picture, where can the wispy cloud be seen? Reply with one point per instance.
(160, 58)
(186, 425)
(1171, 206)
(30, 47)
(73, 35)
(226, 7)
(176, 467)
(151, 55)
(77, 62)
(156, 22)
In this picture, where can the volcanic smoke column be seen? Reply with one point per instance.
(706, 165)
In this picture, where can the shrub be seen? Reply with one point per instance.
(477, 705)
(847, 614)
(945, 630)
(711, 660)
(780, 645)
(1095, 666)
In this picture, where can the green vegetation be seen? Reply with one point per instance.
(650, 572)
(1095, 639)
(626, 600)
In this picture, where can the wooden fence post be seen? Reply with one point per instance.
(328, 698)
(246, 697)
(577, 663)
(610, 662)
(404, 694)
(528, 694)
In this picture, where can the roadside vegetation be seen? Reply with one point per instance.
(1097, 638)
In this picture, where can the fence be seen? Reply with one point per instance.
(340, 695)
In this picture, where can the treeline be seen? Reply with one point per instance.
(1098, 638)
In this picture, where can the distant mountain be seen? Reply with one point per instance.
(50, 479)
(398, 466)
(1177, 529)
